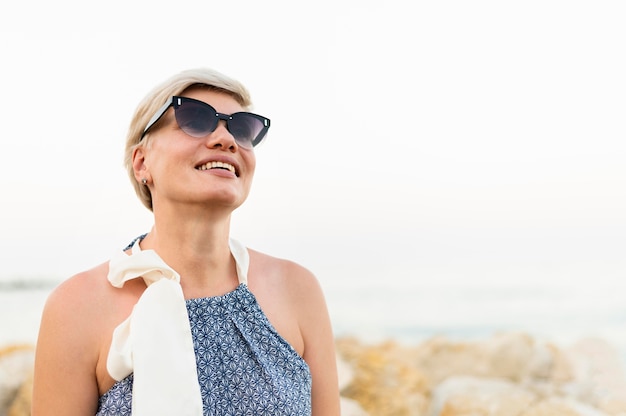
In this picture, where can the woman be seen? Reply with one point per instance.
(185, 320)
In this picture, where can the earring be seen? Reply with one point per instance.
(144, 181)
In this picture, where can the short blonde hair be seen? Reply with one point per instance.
(175, 85)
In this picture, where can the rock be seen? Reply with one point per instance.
(344, 372)
(600, 375)
(474, 396)
(16, 364)
(516, 357)
(349, 407)
(22, 402)
(385, 381)
(561, 407)
(506, 374)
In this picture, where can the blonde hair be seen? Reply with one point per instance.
(175, 85)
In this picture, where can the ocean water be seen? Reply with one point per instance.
(412, 313)
(21, 304)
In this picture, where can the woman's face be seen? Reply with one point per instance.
(210, 171)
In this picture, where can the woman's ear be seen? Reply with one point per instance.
(139, 164)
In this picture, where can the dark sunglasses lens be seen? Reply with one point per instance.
(245, 128)
(196, 119)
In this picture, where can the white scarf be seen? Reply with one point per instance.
(155, 341)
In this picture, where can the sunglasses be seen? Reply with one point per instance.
(198, 119)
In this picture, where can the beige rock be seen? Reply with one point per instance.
(517, 357)
(439, 358)
(475, 396)
(22, 402)
(561, 407)
(349, 407)
(344, 372)
(600, 375)
(16, 363)
(496, 376)
(385, 381)
(391, 379)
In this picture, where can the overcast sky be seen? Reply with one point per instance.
(446, 141)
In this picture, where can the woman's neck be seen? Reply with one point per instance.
(198, 249)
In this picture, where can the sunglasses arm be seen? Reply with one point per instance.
(157, 116)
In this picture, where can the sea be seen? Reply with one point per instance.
(380, 311)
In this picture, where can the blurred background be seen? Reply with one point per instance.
(443, 167)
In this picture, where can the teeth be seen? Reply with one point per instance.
(220, 165)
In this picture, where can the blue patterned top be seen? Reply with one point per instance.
(244, 366)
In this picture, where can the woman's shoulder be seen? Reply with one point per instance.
(87, 297)
(287, 271)
(278, 276)
(81, 288)
(290, 295)
(71, 317)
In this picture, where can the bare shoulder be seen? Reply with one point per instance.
(78, 297)
(278, 281)
(84, 281)
(283, 271)
(276, 267)
(88, 303)
(78, 314)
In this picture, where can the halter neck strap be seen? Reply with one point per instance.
(155, 342)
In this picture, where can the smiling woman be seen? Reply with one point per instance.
(186, 320)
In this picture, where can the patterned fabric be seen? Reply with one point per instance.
(244, 366)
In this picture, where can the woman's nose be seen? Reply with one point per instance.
(221, 137)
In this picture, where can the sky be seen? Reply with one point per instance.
(448, 142)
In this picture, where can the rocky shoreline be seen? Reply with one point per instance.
(509, 374)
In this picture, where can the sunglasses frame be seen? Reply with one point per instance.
(176, 101)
